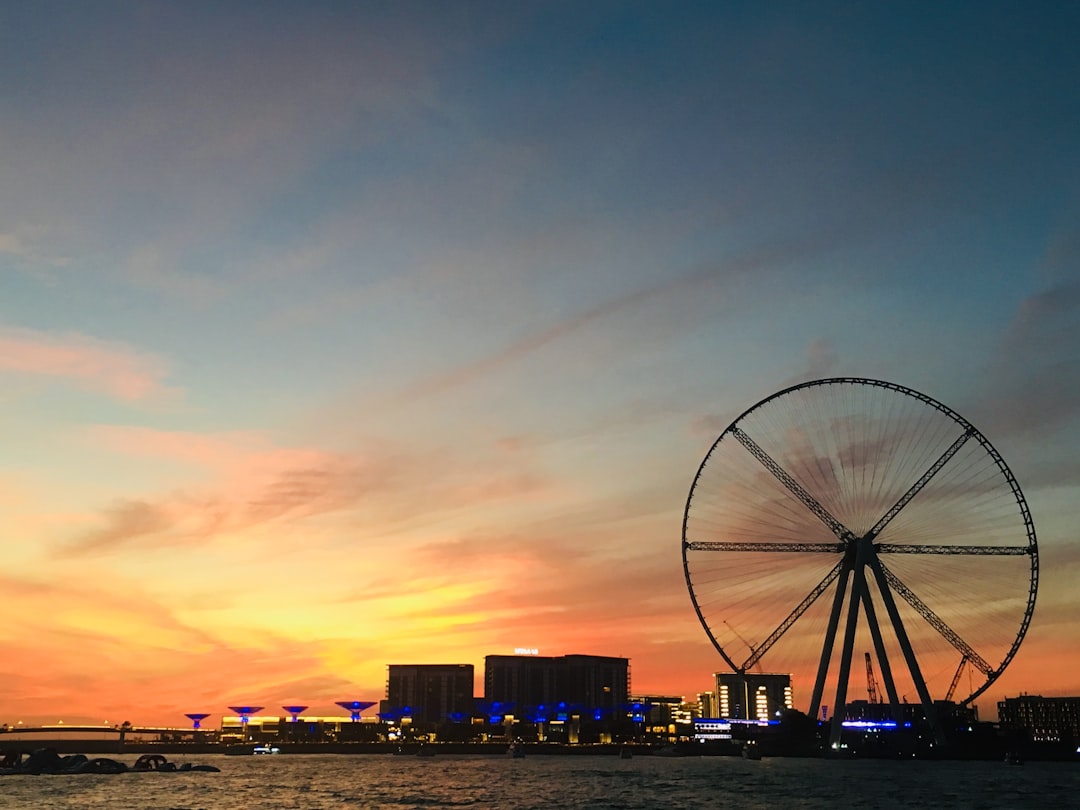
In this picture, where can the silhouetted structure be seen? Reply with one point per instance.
(1043, 719)
(595, 683)
(907, 491)
(430, 693)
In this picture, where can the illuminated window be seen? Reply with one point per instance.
(761, 703)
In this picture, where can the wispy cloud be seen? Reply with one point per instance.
(773, 257)
(1033, 383)
(244, 481)
(11, 244)
(111, 368)
(201, 515)
(819, 360)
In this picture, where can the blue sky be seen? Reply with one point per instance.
(434, 297)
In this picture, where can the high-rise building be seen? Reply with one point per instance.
(752, 696)
(591, 683)
(431, 693)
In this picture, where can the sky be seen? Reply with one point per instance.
(336, 335)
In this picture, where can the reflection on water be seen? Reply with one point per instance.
(396, 782)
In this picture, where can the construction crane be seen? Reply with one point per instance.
(757, 664)
(871, 682)
(956, 678)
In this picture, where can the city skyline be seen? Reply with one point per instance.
(352, 334)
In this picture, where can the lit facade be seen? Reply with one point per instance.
(247, 727)
(752, 696)
(1045, 719)
(431, 692)
(667, 718)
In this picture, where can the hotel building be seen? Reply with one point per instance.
(594, 683)
(430, 693)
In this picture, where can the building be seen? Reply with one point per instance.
(1044, 719)
(431, 693)
(666, 718)
(593, 684)
(752, 696)
(708, 706)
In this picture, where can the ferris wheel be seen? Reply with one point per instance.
(846, 516)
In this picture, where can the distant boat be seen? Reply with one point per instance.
(265, 748)
(516, 750)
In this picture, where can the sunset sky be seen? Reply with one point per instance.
(335, 335)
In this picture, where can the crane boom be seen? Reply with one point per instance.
(956, 678)
(749, 646)
(871, 682)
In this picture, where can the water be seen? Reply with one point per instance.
(315, 782)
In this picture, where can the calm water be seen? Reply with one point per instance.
(397, 782)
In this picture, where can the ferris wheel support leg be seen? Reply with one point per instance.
(909, 654)
(840, 710)
(830, 641)
(883, 658)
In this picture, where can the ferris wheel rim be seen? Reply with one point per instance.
(1031, 548)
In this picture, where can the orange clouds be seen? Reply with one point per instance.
(107, 647)
(228, 484)
(109, 368)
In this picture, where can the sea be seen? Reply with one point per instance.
(396, 782)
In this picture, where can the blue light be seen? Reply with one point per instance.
(196, 719)
(294, 711)
(870, 724)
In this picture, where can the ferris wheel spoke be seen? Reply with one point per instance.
(793, 617)
(935, 621)
(829, 548)
(978, 551)
(917, 487)
(793, 486)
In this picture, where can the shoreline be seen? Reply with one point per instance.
(110, 748)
